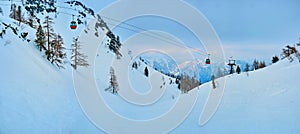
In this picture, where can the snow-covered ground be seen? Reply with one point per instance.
(36, 97)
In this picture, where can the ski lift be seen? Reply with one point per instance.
(73, 24)
(207, 61)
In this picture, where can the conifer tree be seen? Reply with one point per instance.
(213, 81)
(114, 86)
(238, 69)
(49, 33)
(40, 38)
(146, 72)
(58, 54)
(13, 11)
(247, 67)
(78, 59)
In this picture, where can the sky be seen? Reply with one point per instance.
(248, 29)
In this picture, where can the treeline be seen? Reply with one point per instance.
(36, 14)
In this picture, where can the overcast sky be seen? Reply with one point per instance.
(248, 29)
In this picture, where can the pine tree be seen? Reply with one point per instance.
(31, 21)
(114, 86)
(40, 38)
(238, 69)
(213, 81)
(219, 73)
(146, 72)
(1, 11)
(275, 59)
(247, 67)
(49, 33)
(19, 15)
(255, 64)
(78, 59)
(134, 65)
(16, 13)
(58, 54)
(262, 64)
(13, 11)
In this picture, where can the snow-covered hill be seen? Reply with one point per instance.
(36, 97)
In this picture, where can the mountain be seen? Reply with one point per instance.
(160, 62)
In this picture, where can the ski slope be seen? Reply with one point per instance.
(36, 97)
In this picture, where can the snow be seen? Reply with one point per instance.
(36, 97)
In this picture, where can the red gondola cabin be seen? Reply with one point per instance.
(207, 61)
(73, 25)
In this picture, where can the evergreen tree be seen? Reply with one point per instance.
(78, 59)
(262, 64)
(220, 73)
(58, 54)
(247, 67)
(49, 33)
(134, 65)
(114, 87)
(146, 72)
(186, 83)
(31, 21)
(13, 12)
(275, 59)
(238, 69)
(16, 13)
(1, 11)
(19, 15)
(40, 40)
(213, 81)
(255, 64)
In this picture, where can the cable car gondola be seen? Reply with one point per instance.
(207, 61)
(73, 25)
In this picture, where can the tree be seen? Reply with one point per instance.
(16, 13)
(275, 59)
(58, 54)
(288, 51)
(238, 69)
(247, 67)
(134, 65)
(114, 44)
(146, 72)
(13, 12)
(262, 64)
(31, 21)
(49, 35)
(1, 11)
(187, 83)
(114, 86)
(255, 64)
(220, 73)
(78, 59)
(19, 15)
(40, 40)
(213, 81)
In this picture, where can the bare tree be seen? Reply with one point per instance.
(49, 33)
(114, 86)
(40, 40)
(78, 58)
(186, 83)
(58, 54)
(213, 81)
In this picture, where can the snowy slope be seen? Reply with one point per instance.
(35, 96)
(266, 102)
